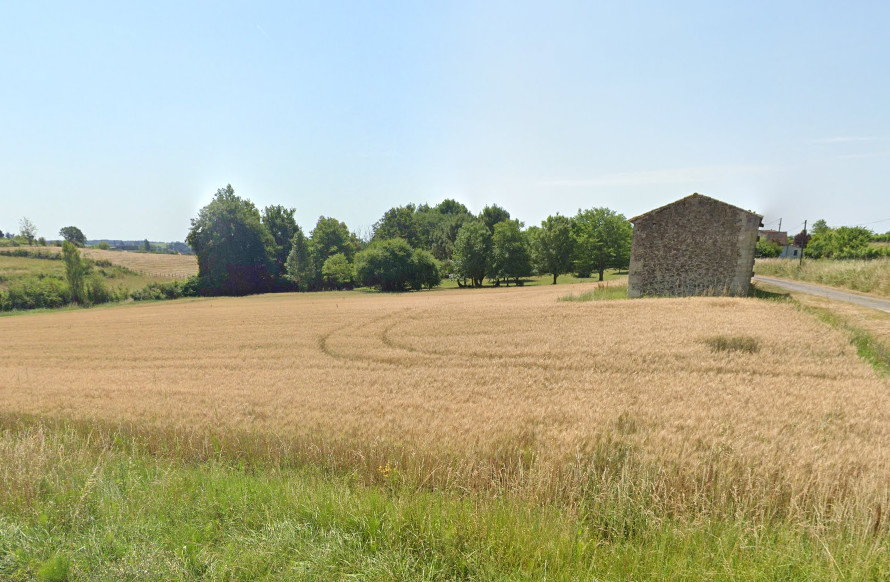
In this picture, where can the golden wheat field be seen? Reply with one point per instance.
(461, 387)
(151, 264)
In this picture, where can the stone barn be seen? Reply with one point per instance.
(694, 246)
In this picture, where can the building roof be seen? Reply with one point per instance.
(691, 196)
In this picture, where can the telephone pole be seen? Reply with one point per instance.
(800, 264)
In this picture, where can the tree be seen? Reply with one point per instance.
(298, 267)
(280, 223)
(426, 270)
(844, 242)
(398, 223)
(330, 237)
(236, 253)
(802, 239)
(146, 246)
(602, 241)
(510, 256)
(73, 235)
(767, 249)
(337, 272)
(472, 252)
(491, 215)
(554, 246)
(27, 230)
(76, 271)
(385, 264)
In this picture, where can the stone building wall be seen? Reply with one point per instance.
(695, 246)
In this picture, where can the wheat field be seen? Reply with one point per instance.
(505, 389)
(150, 264)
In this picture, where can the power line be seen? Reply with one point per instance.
(874, 222)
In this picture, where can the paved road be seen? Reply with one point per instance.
(830, 293)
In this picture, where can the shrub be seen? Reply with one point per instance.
(34, 293)
(172, 290)
(385, 264)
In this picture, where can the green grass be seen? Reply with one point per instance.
(567, 279)
(80, 504)
(868, 347)
(603, 293)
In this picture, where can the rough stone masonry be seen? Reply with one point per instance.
(694, 246)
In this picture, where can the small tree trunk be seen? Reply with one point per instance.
(601, 274)
(554, 278)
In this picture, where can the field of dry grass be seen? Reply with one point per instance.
(507, 389)
(150, 264)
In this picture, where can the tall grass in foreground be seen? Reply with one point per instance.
(97, 505)
(866, 276)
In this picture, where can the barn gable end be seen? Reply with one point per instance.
(694, 246)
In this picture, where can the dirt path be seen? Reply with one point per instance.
(828, 292)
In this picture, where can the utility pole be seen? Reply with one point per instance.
(780, 225)
(804, 245)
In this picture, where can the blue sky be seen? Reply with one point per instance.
(124, 118)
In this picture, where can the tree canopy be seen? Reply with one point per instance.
(73, 235)
(235, 251)
(472, 252)
(602, 241)
(554, 246)
(510, 254)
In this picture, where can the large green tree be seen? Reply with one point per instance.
(298, 267)
(235, 251)
(492, 215)
(73, 235)
(510, 256)
(385, 264)
(398, 222)
(472, 252)
(330, 237)
(602, 241)
(280, 223)
(554, 246)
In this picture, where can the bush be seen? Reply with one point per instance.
(97, 291)
(32, 254)
(173, 290)
(767, 249)
(386, 265)
(426, 270)
(338, 272)
(34, 293)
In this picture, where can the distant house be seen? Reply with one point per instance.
(780, 237)
(694, 246)
(790, 252)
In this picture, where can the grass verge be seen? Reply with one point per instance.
(869, 347)
(872, 276)
(97, 506)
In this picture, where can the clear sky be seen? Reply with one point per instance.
(123, 118)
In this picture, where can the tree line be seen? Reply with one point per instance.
(825, 242)
(242, 250)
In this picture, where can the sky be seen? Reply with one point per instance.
(124, 118)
